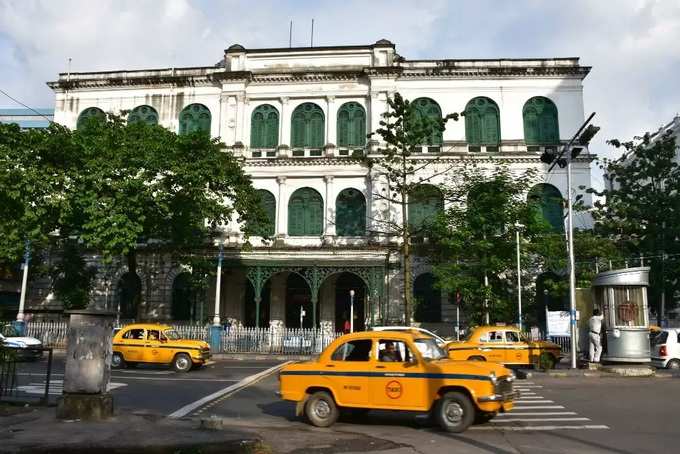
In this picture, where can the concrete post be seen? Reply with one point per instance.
(88, 367)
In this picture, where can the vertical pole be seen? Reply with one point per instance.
(486, 298)
(351, 311)
(572, 270)
(519, 284)
(24, 282)
(457, 321)
(218, 286)
(258, 300)
(290, 35)
(311, 40)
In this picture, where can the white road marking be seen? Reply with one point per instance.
(540, 428)
(523, 401)
(529, 386)
(525, 393)
(530, 413)
(538, 407)
(185, 410)
(537, 419)
(530, 397)
(56, 387)
(225, 380)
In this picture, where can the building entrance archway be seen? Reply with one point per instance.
(298, 296)
(428, 299)
(249, 315)
(185, 301)
(344, 283)
(128, 295)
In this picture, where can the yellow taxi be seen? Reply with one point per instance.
(506, 345)
(157, 344)
(386, 370)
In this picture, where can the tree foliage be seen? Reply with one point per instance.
(404, 131)
(640, 208)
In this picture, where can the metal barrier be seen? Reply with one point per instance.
(563, 341)
(25, 377)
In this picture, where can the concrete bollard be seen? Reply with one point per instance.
(88, 367)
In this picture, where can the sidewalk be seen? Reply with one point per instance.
(36, 430)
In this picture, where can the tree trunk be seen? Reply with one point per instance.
(132, 269)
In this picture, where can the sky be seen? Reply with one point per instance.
(632, 45)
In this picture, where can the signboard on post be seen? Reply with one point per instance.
(558, 322)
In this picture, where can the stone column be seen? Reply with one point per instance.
(331, 121)
(329, 209)
(88, 367)
(241, 126)
(277, 309)
(327, 304)
(281, 209)
(284, 131)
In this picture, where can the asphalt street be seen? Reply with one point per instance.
(557, 415)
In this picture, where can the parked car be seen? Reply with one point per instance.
(506, 345)
(26, 348)
(440, 340)
(666, 349)
(157, 344)
(389, 370)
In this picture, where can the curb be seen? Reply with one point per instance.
(261, 357)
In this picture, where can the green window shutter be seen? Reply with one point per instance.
(350, 213)
(307, 126)
(305, 213)
(425, 203)
(541, 125)
(351, 125)
(428, 299)
(88, 115)
(268, 204)
(194, 118)
(264, 127)
(143, 114)
(547, 201)
(426, 107)
(482, 122)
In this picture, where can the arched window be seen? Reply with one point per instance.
(305, 213)
(547, 201)
(193, 118)
(307, 126)
(426, 107)
(428, 299)
(143, 114)
(350, 213)
(482, 122)
(540, 122)
(425, 202)
(351, 125)
(264, 127)
(268, 204)
(88, 114)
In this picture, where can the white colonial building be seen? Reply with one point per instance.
(298, 118)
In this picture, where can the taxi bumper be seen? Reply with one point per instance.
(501, 398)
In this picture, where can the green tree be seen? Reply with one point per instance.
(404, 129)
(474, 241)
(640, 210)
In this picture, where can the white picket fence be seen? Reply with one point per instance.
(282, 341)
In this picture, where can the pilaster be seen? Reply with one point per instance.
(281, 209)
(329, 218)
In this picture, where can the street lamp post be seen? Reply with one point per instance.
(351, 311)
(216, 328)
(19, 324)
(519, 277)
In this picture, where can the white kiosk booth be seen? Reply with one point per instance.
(621, 295)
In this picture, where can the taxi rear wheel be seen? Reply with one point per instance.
(117, 361)
(182, 362)
(454, 412)
(321, 410)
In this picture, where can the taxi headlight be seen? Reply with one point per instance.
(493, 377)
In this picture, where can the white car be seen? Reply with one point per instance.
(440, 340)
(25, 347)
(666, 349)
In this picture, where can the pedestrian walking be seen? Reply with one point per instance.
(595, 326)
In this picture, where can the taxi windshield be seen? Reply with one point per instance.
(429, 349)
(172, 334)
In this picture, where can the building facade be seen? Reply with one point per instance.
(297, 118)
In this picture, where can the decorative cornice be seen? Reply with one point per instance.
(306, 162)
(579, 72)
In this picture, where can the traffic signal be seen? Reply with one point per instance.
(583, 140)
(550, 156)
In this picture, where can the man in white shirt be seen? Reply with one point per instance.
(595, 326)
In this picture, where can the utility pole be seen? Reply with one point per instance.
(569, 152)
(351, 311)
(20, 325)
(519, 278)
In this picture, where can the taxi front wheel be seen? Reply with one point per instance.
(321, 410)
(182, 362)
(117, 361)
(454, 412)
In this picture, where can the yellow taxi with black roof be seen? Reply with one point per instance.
(386, 370)
(157, 344)
(506, 345)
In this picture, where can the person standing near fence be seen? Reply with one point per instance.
(595, 339)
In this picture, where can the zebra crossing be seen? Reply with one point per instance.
(56, 387)
(534, 412)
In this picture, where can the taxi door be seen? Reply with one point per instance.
(346, 372)
(154, 348)
(493, 347)
(401, 382)
(131, 344)
(517, 351)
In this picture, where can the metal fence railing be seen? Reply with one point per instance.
(25, 378)
(270, 340)
(563, 341)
